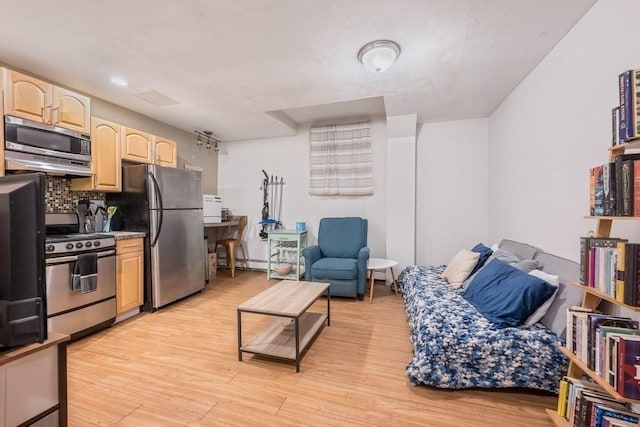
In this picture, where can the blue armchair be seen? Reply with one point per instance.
(340, 257)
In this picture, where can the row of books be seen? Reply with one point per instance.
(612, 266)
(583, 403)
(609, 346)
(614, 188)
(626, 117)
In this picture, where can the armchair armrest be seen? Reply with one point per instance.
(363, 254)
(311, 254)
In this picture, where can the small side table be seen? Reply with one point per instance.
(380, 264)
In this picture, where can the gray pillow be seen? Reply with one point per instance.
(567, 295)
(521, 250)
(525, 265)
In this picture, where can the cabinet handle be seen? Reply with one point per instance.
(42, 114)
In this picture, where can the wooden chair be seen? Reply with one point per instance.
(231, 244)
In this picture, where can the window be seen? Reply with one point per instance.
(341, 160)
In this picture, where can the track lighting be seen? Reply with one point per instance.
(208, 135)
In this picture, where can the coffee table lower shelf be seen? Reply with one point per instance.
(279, 341)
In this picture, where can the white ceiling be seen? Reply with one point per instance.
(256, 68)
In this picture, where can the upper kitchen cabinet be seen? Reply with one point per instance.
(137, 146)
(34, 99)
(165, 152)
(105, 159)
(142, 147)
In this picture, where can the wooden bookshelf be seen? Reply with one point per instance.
(592, 298)
(558, 421)
(580, 364)
(621, 148)
(601, 295)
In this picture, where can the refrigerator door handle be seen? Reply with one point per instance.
(158, 195)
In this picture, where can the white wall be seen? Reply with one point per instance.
(240, 177)
(554, 127)
(452, 189)
(401, 190)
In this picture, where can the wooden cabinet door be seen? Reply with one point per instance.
(105, 159)
(129, 281)
(136, 146)
(70, 110)
(26, 97)
(165, 152)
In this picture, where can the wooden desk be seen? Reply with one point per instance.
(233, 222)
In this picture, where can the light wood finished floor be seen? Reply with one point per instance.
(179, 366)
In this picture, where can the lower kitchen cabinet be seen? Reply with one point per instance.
(129, 274)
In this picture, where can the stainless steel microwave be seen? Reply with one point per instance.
(36, 146)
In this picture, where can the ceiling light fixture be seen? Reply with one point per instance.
(209, 137)
(119, 81)
(377, 56)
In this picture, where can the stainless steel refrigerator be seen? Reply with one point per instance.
(165, 203)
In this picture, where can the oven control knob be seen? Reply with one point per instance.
(79, 245)
(69, 246)
(50, 248)
(88, 244)
(96, 243)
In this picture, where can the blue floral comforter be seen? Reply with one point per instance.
(454, 346)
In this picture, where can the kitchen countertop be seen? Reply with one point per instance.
(122, 235)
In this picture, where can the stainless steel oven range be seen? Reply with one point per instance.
(78, 312)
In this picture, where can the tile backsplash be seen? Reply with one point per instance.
(60, 199)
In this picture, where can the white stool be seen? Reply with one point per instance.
(374, 264)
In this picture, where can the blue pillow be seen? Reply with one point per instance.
(484, 252)
(505, 295)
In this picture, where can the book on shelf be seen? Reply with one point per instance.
(614, 412)
(575, 388)
(596, 321)
(619, 160)
(618, 328)
(626, 181)
(619, 348)
(563, 389)
(609, 189)
(610, 421)
(629, 82)
(590, 401)
(596, 191)
(629, 366)
(598, 267)
(631, 277)
(620, 271)
(576, 317)
(624, 99)
(636, 188)
(615, 127)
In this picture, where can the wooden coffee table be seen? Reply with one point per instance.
(285, 300)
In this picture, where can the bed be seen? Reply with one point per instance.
(455, 346)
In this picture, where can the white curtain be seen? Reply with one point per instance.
(341, 160)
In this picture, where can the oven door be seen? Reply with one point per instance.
(71, 312)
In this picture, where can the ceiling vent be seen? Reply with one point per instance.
(156, 98)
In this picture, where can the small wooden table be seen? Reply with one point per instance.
(286, 299)
(374, 264)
